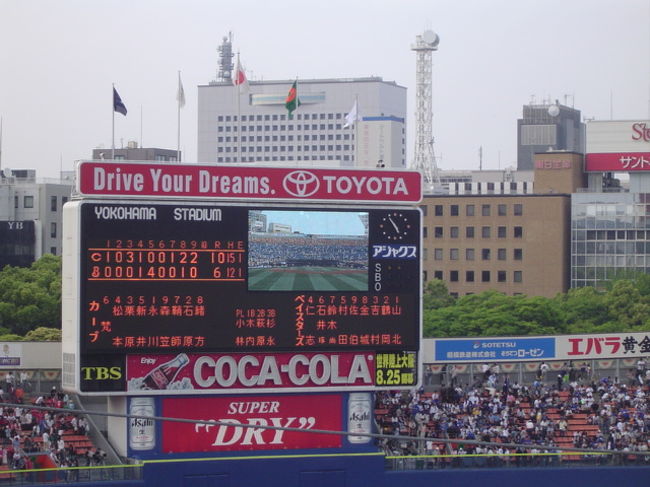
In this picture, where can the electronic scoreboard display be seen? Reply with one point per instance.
(227, 297)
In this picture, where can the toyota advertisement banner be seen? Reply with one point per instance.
(244, 182)
(303, 412)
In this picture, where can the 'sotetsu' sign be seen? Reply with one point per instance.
(246, 182)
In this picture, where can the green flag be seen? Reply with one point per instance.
(292, 102)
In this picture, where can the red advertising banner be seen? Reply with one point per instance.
(618, 161)
(605, 346)
(246, 182)
(305, 412)
(210, 373)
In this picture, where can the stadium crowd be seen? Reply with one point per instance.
(25, 430)
(541, 413)
(269, 251)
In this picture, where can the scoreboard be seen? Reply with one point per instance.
(221, 297)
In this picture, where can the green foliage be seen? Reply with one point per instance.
(43, 334)
(624, 307)
(30, 297)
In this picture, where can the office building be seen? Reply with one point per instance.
(547, 127)
(237, 125)
(30, 215)
(610, 222)
(134, 153)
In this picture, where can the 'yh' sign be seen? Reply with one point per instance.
(318, 412)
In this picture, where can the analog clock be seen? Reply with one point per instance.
(395, 226)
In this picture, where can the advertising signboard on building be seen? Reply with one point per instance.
(618, 146)
(172, 297)
(243, 182)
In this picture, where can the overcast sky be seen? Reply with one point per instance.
(58, 60)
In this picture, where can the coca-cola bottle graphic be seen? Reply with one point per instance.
(164, 374)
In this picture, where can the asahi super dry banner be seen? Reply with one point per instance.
(305, 412)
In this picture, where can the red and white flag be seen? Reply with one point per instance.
(239, 77)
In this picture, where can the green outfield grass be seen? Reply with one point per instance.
(312, 278)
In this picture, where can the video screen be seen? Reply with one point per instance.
(307, 250)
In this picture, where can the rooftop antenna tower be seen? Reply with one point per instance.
(226, 55)
(424, 157)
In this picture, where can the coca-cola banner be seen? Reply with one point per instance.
(209, 373)
(247, 182)
(305, 412)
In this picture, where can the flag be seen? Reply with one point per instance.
(292, 102)
(352, 117)
(118, 106)
(180, 96)
(239, 79)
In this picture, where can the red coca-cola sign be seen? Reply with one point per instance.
(247, 182)
(210, 373)
(303, 412)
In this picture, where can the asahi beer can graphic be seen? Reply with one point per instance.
(359, 416)
(142, 431)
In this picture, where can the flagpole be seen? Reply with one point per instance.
(178, 145)
(0, 146)
(356, 130)
(113, 113)
(141, 140)
(238, 110)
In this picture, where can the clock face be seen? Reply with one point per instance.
(395, 226)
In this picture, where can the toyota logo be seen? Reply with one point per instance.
(301, 184)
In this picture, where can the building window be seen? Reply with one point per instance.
(453, 254)
(469, 232)
(437, 254)
(28, 202)
(501, 232)
(517, 276)
(518, 232)
(518, 209)
(16, 201)
(469, 276)
(53, 203)
(453, 276)
(485, 276)
(501, 276)
(53, 229)
(469, 210)
(64, 200)
(485, 232)
(424, 276)
(424, 209)
(485, 210)
(453, 210)
(438, 232)
(469, 254)
(501, 254)
(424, 232)
(438, 210)
(518, 254)
(53, 250)
(453, 232)
(437, 275)
(485, 254)
(501, 209)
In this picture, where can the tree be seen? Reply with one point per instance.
(436, 295)
(43, 334)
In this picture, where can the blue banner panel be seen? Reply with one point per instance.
(491, 349)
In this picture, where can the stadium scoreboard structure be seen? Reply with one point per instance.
(300, 288)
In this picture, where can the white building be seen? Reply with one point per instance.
(254, 126)
(23, 198)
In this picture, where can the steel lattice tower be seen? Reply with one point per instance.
(424, 158)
